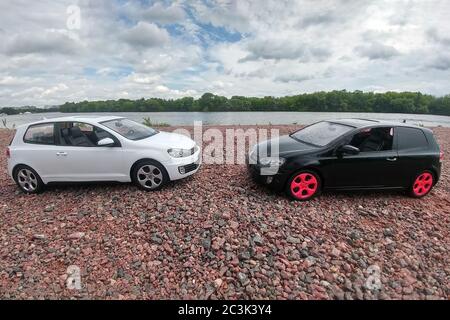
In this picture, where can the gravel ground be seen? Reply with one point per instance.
(219, 235)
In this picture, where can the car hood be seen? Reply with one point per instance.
(286, 145)
(168, 140)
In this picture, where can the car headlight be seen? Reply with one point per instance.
(272, 162)
(180, 153)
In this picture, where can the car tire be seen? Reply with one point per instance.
(28, 180)
(149, 175)
(422, 184)
(304, 185)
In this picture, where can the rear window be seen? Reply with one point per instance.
(40, 134)
(411, 138)
(322, 133)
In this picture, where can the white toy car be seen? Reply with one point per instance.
(98, 148)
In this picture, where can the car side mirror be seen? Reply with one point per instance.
(348, 149)
(106, 142)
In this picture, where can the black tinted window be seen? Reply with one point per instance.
(373, 139)
(411, 138)
(40, 134)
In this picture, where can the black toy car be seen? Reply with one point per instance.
(349, 154)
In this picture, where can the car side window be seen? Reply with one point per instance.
(40, 134)
(373, 139)
(84, 127)
(79, 134)
(411, 138)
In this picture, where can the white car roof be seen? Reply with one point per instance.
(83, 118)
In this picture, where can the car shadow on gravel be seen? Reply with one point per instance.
(101, 186)
(369, 194)
(97, 186)
(329, 196)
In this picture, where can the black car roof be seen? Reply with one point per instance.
(363, 123)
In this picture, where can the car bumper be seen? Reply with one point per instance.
(438, 170)
(276, 181)
(179, 168)
(10, 167)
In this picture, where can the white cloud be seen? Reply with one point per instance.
(146, 35)
(161, 89)
(47, 42)
(54, 89)
(246, 47)
(143, 79)
(16, 81)
(376, 51)
(33, 91)
(438, 38)
(440, 62)
(165, 92)
(159, 13)
(293, 78)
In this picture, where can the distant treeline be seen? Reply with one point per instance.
(12, 111)
(334, 101)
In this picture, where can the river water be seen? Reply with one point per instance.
(242, 118)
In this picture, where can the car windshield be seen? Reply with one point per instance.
(130, 129)
(322, 133)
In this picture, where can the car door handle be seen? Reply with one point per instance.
(391, 159)
(62, 154)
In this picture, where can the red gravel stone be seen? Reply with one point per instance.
(219, 235)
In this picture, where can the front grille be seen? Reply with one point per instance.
(190, 167)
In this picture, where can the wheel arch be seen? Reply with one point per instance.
(435, 175)
(13, 171)
(433, 171)
(40, 183)
(308, 168)
(145, 159)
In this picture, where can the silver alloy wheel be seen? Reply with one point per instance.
(27, 180)
(149, 176)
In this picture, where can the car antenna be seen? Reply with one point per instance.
(404, 121)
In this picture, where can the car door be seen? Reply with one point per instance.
(83, 159)
(39, 149)
(370, 168)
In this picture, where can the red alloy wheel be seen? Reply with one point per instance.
(423, 184)
(304, 186)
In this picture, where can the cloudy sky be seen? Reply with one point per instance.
(134, 49)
